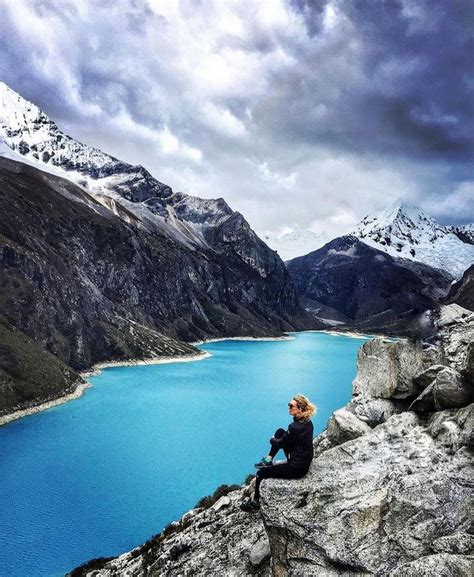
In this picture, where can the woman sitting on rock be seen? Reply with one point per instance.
(296, 442)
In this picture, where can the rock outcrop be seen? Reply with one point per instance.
(388, 492)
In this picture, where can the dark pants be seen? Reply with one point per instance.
(274, 450)
(282, 471)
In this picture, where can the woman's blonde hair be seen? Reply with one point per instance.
(305, 406)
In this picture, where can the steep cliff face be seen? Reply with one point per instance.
(462, 292)
(387, 494)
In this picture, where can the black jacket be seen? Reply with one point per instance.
(298, 440)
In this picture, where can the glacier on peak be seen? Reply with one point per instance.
(407, 231)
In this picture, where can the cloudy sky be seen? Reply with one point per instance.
(298, 112)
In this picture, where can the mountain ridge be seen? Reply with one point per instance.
(26, 131)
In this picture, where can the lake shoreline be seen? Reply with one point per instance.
(78, 392)
(96, 370)
(251, 339)
(353, 334)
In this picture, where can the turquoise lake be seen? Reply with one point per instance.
(100, 475)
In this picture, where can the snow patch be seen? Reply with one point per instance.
(350, 252)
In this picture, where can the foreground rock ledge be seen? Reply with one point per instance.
(387, 493)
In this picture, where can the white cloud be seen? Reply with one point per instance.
(456, 206)
(237, 99)
(222, 120)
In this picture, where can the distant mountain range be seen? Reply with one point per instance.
(393, 268)
(402, 230)
(350, 284)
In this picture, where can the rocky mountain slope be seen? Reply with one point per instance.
(89, 285)
(28, 371)
(350, 284)
(407, 231)
(387, 494)
(462, 292)
(101, 261)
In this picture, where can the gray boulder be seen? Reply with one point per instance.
(373, 411)
(457, 344)
(344, 426)
(426, 377)
(222, 502)
(457, 543)
(448, 390)
(386, 369)
(260, 552)
(454, 429)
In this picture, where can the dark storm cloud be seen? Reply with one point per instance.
(412, 93)
(301, 112)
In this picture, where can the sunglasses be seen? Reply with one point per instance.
(293, 405)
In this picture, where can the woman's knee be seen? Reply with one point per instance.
(279, 433)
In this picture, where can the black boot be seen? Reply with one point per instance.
(250, 506)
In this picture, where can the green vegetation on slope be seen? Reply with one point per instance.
(28, 373)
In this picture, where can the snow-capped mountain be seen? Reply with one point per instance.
(27, 130)
(27, 134)
(295, 242)
(407, 231)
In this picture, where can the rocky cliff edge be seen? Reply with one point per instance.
(387, 494)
